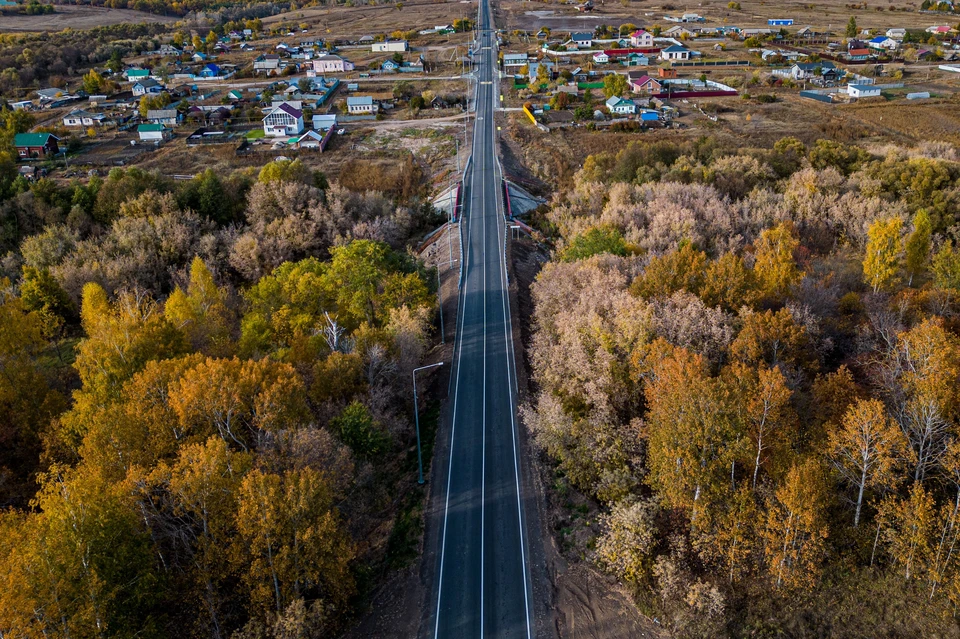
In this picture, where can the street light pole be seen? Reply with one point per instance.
(416, 417)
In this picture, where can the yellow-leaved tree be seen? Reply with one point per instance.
(202, 313)
(797, 527)
(884, 247)
(867, 449)
(775, 266)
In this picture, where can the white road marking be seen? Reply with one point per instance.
(456, 395)
(483, 419)
(511, 380)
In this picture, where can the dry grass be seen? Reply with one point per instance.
(353, 22)
(822, 14)
(77, 17)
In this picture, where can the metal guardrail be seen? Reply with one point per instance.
(463, 218)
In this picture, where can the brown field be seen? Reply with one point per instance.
(353, 22)
(77, 17)
(829, 15)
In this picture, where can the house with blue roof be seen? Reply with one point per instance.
(883, 43)
(210, 71)
(675, 52)
(582, 40)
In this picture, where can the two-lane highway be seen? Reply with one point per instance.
(482, 584)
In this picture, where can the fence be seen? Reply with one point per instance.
(695, 94)
(816, 95)
(713, 63)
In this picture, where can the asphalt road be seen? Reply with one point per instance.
(482, 585)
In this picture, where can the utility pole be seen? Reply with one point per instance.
(416, 417)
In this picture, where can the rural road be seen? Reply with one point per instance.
(482, 579)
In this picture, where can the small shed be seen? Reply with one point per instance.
(153, 132)
(863, 91)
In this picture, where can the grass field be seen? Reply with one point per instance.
(77, 17)
(354, 22)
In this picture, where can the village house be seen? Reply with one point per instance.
(36, 145)
(863, 91)
(322, 122)
(675, 52)
(167, 117)
(756, 33)
(153, 132)
(79, 117)
(331, 64)
(534, 67)
(147, 86)
(283, 120)
(361, 105)
(636, 60)
(268, 63)
(211, 71)
(897, 33)
(513, 61)
(621, 106)
(641, 39)
(311, 140)
(642, 83)
(601, 58)
(681, 32)
(859, 55)
(807, 70)
(582, 40)
(132, 75)
(883, 43)
(939, 30)
(169, 50)
(390, 46)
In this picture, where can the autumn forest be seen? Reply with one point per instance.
(748, 375)
(205, 420)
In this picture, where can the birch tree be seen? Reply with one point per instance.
(867, 448)
(796, 528)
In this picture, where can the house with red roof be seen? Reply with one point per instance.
(642, 83)
(641, 38)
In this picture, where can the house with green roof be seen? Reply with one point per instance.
(136, 74)
(6, 4)
(153, 132)
(36, 145)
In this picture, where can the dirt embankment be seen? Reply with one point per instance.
(582, 602)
